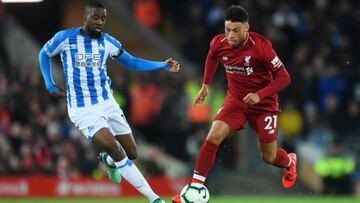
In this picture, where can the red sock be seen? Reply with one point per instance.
(204, 161)
(282, 160)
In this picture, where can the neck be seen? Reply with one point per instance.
(243, 38)
(87, 32)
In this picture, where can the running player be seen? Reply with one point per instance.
(255, 74)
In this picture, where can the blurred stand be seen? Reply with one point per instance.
(316, 40)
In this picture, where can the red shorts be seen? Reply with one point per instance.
(236, 113)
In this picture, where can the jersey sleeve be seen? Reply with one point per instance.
(270, 59)
(211, 63)
(212, 48)
(115, 48)
(55, 45)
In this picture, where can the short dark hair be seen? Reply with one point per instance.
(236, 13)
(95, 4)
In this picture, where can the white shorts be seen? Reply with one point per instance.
(106, 114)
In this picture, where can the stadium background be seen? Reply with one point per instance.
(316, 40)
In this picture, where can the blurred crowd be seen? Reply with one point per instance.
(316, 40)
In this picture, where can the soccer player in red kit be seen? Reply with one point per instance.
(255, 74)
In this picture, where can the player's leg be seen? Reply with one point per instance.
(266, 127)
(229, 118)
(118, 126)
(127, 141)
(207, 154)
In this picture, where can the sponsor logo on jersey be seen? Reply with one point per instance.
(81, 60)
(225, 58)
(244, 70)
(239, 70)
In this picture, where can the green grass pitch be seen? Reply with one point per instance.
(225, 199)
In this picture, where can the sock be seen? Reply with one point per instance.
(131, 173)
(110, 161)
(282, 160)
(204, 161)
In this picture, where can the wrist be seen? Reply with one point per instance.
(260, 94)
(167, 67)
(205, 85)
(52, 88)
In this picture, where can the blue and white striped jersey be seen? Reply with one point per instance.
(84, 62)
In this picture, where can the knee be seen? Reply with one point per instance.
(112, 148)
(215, 138)
(268, 157)
(132, 153)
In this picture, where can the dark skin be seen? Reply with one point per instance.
(118, 146)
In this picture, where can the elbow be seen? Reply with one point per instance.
(41, 55)
(285, 77)
(288, 80)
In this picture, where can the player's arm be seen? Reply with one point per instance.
(51, 48)
(140, 64)
(281, 79)
(211, 65)
(272, 62)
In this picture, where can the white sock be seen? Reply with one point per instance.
(110, 161)
(132, 174)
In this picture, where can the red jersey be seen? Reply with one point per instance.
(249, 68)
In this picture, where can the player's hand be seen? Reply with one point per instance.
(57, 91)
(252, 98)
(201, 94)
(174, 65)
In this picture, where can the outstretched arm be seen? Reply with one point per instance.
(139, 64)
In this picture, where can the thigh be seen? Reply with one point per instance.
(234, 117)
(265, 124)
(118, 124)
(88, 120)
(128, 143)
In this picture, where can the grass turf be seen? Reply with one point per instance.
(225, 199)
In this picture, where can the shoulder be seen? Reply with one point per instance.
(63, 34)
(217, 41)
(259, 39)
(112, 40)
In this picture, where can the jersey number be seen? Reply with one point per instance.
(271, 122)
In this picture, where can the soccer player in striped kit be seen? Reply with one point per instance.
(91, 105)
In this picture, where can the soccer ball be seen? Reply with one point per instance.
(194, 193)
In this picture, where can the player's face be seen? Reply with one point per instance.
(235, 32)
(95, 19)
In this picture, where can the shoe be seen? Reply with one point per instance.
(113, 173)
(289, 176)
(176, 199)
(159, 200)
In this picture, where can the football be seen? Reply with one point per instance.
(194, 193)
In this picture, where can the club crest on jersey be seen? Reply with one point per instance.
(247, 60)
(248, 70)
(225, 58)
